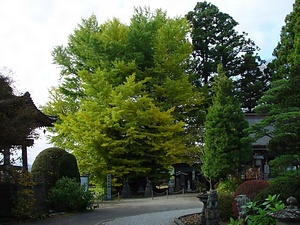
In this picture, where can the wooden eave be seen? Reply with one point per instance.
(25, 102)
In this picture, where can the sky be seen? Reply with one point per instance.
(29, 30)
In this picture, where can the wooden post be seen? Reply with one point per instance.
(24, 157)
(6, 154)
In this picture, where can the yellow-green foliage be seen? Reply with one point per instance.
(23, 200)
(228, 185)
(98, 192)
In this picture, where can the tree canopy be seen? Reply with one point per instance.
(253, 81)
(281, 103)
(216, 41)
(125, 99)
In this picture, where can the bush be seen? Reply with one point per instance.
(285, 186)
(228, 186)
(225, 205)
(260, 213)
(53, 164)
(68, 196)
(23, 199)
(249, 188)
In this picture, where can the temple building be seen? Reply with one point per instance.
(19, 118)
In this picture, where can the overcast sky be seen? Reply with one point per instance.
(29, 29)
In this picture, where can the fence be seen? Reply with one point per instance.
(154, 194)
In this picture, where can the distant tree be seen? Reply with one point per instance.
(284, 164)
(226, 140)
(253, 81)
(6, 89)
(281, 103)
(53, 164)
(215, 41)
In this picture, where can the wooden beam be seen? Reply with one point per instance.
(24, 157)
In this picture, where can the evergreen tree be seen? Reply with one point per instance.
(215, 41)
(253, 81)
(281, 104)
(226, 141)
(6, 89)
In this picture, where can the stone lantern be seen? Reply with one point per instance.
(288, 216)
(203, 197)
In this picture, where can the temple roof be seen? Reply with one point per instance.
(19, 117)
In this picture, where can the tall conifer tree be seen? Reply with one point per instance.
(252, 83)
(281, 103)
(215, 41)
(226, 142)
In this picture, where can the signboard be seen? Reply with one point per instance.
(84, 181)
(108, 181)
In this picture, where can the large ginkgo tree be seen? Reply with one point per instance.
(124, 100)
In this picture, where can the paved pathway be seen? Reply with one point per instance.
(158, 218)
(157, 211)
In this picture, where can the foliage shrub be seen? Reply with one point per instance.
(53, 164)
(225, 205)
(228, 186)
(259, 213)
(68, 196)
(23, 199)
(226, 189)
(285, 186)
(250, 188)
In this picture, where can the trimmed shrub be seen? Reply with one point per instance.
(53, 164)
(68, 196)
(284, 186)
(225, 205)
(68, 167)
(250, 188)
